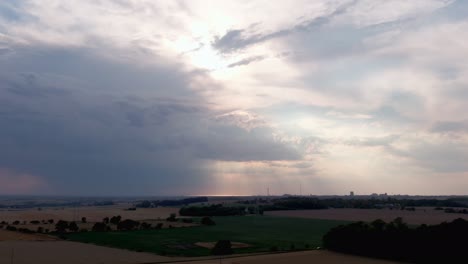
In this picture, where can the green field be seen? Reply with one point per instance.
(262, 232)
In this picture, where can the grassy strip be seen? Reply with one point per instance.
(263, 233)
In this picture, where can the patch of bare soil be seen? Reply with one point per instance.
(211, 245)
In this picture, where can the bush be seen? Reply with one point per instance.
(25, 230)
(100, 227)
(11, 228)
(145, 225)
(222, 247)
(115, 220)
(73, 227)
(127, 224)
(207, 221)
(172, 218)
(61, 226)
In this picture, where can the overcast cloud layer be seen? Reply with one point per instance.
(192, 97)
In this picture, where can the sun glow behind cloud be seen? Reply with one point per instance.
(235, 96)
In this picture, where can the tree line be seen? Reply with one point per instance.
(180, 202)
(443, 243)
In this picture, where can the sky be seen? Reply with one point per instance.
(201, 97)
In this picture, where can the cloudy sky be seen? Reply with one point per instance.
(136, 97)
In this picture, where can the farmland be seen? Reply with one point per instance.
(262, 233)
(419, 216)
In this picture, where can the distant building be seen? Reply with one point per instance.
(351, 193)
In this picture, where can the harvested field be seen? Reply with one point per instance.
(420, 216)
(17, 236)
(92, 213)
(89, 225)
(58, 252)
(304, 257)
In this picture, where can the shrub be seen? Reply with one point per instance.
(11, 228)
(127, 224)
(207, 221)
(115, 219)
(172, 218)
(222, 247)
(145, 225)
(73, 227)
(99, 227)
(61, 226)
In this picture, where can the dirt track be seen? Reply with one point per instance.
(420, 216)
(305, 257)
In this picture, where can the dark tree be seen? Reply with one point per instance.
(100, 227)
(145, 225)
(172, 218)
(73, 227)
(115, 219)
(83, 220)
(61, 226)
(11, 228)
(105, 220)
(207, 221)
(127, 224)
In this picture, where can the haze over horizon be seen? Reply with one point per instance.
(118, 97)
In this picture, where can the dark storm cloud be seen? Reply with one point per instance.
(246, 61)
(441, 157)
(8, 10)
(237, 39)
(88, 124)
